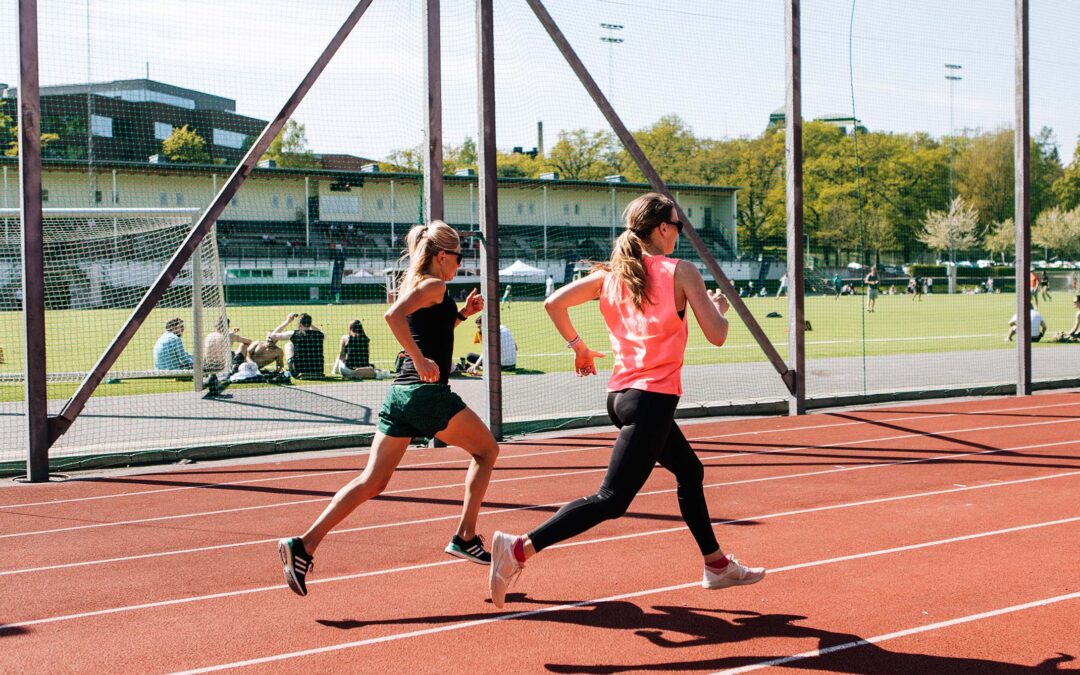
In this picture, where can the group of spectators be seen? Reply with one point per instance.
(226, 351)
(300, 352)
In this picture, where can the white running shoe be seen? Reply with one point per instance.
(735, 574)
(504, 567)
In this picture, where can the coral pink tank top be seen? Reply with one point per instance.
(649, 343)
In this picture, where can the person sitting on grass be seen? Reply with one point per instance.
(1036, 322)
(473, 364)
(169, 352)
(217, 348)
(1073, 334)
(263, 353)
(354, 357)
(304, 351)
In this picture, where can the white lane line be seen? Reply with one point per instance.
(901, 633)
(597, 540)
(635, 594)
(810, 427)
(588, 471)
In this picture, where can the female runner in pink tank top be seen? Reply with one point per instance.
(643, 297)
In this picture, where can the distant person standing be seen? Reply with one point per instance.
(914, 286)
(506, 295)
(838, 285)
(1044, 285)
(783, 285)
(872, 280)
(549, 286)
(1033, 281)
(337, 272)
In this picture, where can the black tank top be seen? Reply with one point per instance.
(433, 330)
(358, 351)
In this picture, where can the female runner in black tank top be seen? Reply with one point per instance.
(419, 402)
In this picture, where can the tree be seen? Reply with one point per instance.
(1058, 230)
(1067, 186)
(581, 154)
(289, 149)
(671, 148)
(186, 146)
(955, 229)
(9, 135)
(1001, 238)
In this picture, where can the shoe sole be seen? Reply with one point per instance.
(287, 561)
(496, 545)
(728, 583)
(457, 553)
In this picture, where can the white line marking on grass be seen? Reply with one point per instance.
(588, 471)
(503, 457)
(597, 540)
(814, 653)
(624, 596)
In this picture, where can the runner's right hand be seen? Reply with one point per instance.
(427, 369)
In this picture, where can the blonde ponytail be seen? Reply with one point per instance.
(423, 243)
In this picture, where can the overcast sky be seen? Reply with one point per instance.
(718, 64)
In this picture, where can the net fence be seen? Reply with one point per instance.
(908, 189)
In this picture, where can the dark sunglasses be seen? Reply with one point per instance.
(453, 253)
(677, 223)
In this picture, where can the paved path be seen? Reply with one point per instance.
(271, 414)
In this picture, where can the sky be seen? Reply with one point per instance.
(719, 64)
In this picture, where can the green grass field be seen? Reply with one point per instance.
(840, 328)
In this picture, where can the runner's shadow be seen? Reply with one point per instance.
(670, 627)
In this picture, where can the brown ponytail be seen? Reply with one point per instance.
(642, 216)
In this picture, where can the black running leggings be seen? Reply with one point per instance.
(648, 434)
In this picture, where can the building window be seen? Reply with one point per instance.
(101, 126)
(566, 209)
(707, 218)
(289, 202)
(603, 210)
(44, 195)
(97, 196)
(379, 204)
(179, 198)
(690, 212)
(275, 201)
(228, 139)
(163, 199)
(521, 208)
(162, 130)
(577, 209)
(532, 208)
(116, 197)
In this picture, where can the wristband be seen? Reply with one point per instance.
(462, 317)
(571, 344)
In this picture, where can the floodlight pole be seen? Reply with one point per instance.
(433, 138)
(658, 185)
(1022, 215)
(489, 213)
(33, 244)
(59, 424)
(794, 201)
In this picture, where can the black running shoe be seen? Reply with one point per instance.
(472, 550)
(297, 563)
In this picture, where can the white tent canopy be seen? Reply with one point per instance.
(522, 272)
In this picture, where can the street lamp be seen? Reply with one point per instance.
(952, 74)
(610, 38)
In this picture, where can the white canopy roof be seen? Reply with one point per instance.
(521, 271)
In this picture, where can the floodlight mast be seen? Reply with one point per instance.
(611, 40)
(951, 74)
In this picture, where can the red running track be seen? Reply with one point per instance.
(933, 538)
